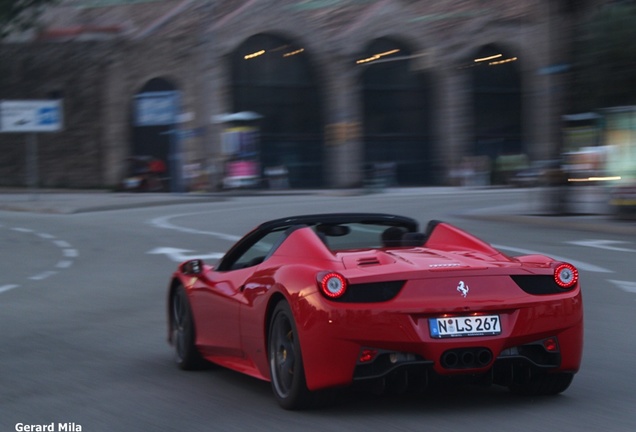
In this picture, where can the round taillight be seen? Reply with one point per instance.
(333, 285)
(566, 275)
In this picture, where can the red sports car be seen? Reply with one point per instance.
(317, 302)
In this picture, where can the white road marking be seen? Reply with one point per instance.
(164, 223)
(579, 264)
(23, 230)
(603, 244)
(628, 286)
(70, 253)
(62, 243)
(180, 255)
(67, 251)
(43, 275)
(5, 288)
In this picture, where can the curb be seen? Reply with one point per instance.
(594, 223)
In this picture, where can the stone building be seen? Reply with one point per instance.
(343, 89)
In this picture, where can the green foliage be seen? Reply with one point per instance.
(605, 58)
(20, 14)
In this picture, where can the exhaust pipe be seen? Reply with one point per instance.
(484, 357)
(450, 360)
(466, 358)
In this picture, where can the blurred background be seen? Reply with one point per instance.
(203, 95)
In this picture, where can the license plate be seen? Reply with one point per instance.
(483, 325)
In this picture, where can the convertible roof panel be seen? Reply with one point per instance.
(342, 218)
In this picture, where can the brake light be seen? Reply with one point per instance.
(333, 285)
(566, 275)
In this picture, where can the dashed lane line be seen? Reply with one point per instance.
(5, 288)
(68, 253)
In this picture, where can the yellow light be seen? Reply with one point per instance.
(298, 51)
(256, 54)
(377, 56)
(386, 53)
(477, 60)
(511, 59)
(591, 179)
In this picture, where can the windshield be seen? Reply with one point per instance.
(361, 235)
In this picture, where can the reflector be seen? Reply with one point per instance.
(551, 344)
(366, 355)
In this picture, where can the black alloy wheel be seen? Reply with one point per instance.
(286, 362)
(183, 332)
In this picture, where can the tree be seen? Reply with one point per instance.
(20, 14)
(605, 58)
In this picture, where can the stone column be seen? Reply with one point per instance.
(115, 134)
(453, 118)
(343, 124)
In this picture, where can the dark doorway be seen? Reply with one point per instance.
(274, 78)
(156, 141)
(496, 103)
(396, 107)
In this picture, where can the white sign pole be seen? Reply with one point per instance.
(30, 117)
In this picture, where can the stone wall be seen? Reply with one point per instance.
(99, 78)
(71, 158)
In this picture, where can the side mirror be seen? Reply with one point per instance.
(192, 267)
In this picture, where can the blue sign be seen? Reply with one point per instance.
(156, 108)
(47, 116)
(31, 116)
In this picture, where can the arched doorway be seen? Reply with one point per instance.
(497, 112)
(273, 77)
(396, 107)
(154, 117)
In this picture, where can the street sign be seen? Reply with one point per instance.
(159, 108)
(31, 116)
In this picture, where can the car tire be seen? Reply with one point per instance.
(183, 332)
(542, 384)
(286, 362)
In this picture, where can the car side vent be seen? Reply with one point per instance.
(537, 284)
(374, 292)
(368, 261)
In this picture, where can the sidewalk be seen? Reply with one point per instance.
(519, 213)
(58, 201)
(71, 202)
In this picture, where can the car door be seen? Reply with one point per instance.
(217, 304)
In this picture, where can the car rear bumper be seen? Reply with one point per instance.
(338, 340)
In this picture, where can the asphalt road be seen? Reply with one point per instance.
(82, 300)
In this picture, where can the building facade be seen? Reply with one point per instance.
(341, 89)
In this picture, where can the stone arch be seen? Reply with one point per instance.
(397, 105)
(274, 76)
(154, 136)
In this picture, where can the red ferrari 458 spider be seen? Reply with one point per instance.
(317, 302)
